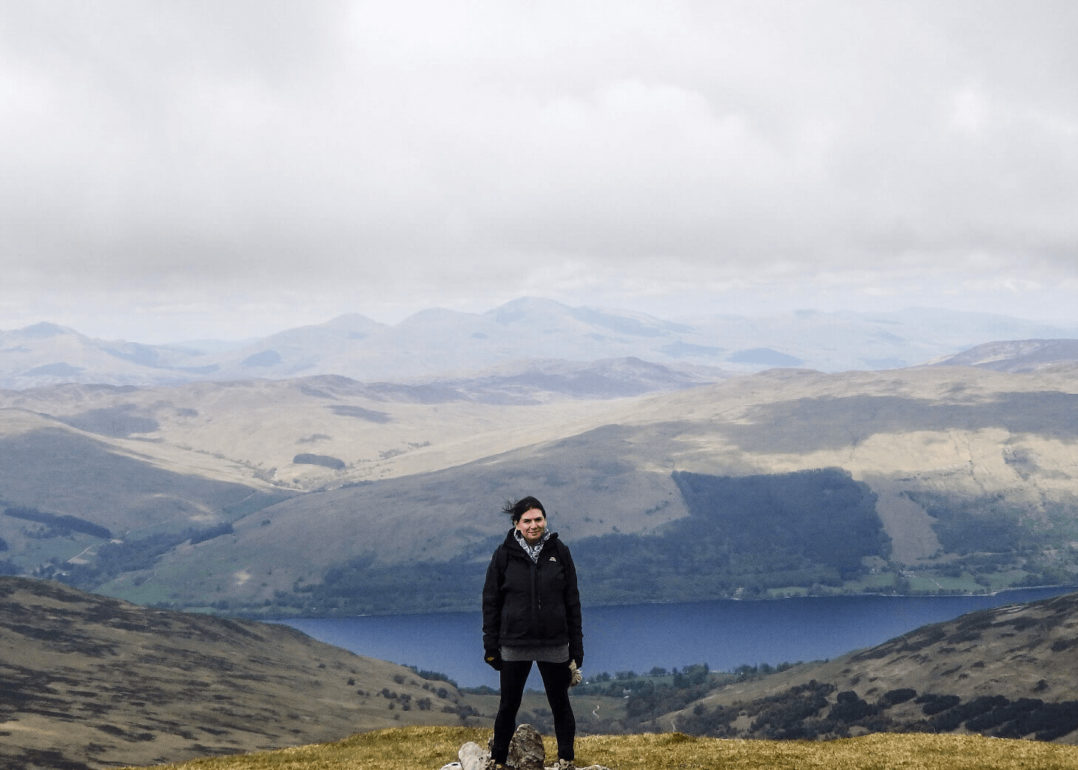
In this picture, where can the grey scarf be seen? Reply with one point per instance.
(532, 550)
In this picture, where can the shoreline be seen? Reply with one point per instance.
(668, 602)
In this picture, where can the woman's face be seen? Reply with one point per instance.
(532, 524)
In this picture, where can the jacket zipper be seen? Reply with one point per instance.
(537, 599)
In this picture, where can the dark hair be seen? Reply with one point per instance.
(522, 506)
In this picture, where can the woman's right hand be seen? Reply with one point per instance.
(493, 658)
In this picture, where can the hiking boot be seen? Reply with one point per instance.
(492, 765)
(565, 764)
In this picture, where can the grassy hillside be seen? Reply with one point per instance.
(1003, 672)
(420, 748)
(91, 682)
(964, 480)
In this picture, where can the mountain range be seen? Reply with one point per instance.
(330, 495)
(441, 343)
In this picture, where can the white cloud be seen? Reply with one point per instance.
(256, 164)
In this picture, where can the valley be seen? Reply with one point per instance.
(308, 493)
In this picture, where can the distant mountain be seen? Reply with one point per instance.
(47, 354)
(1004, 672)
(1017, 355)
(442, 343)
(90, 682)
(528, 381)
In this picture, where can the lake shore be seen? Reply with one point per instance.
(724, 633)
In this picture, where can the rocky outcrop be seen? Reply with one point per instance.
(526, 752)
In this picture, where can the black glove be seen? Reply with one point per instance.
(578, 656)
(493, 658)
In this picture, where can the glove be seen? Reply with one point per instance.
(575, 677)
(493, 658)
(577, 655)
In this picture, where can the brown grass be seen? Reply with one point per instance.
(428, 748)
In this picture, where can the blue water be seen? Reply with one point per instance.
(724, 634)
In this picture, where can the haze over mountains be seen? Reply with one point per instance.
(264, 480)
(439, 342)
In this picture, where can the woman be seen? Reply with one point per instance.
(531, 612)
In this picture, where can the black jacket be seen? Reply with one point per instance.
(527, 604)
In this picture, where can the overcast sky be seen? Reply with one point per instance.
(173, 170)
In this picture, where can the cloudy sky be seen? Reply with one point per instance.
(173, 170)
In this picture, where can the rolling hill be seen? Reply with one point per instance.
(314, 495)
(1006, 672)
(1016, 355)
(91, 682)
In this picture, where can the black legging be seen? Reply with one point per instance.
(514, 675)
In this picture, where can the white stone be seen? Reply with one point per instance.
(472, 757)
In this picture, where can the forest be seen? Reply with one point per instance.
(744, 536)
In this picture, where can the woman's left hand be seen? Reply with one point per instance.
(575, 677)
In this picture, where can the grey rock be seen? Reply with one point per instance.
(526, 750)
